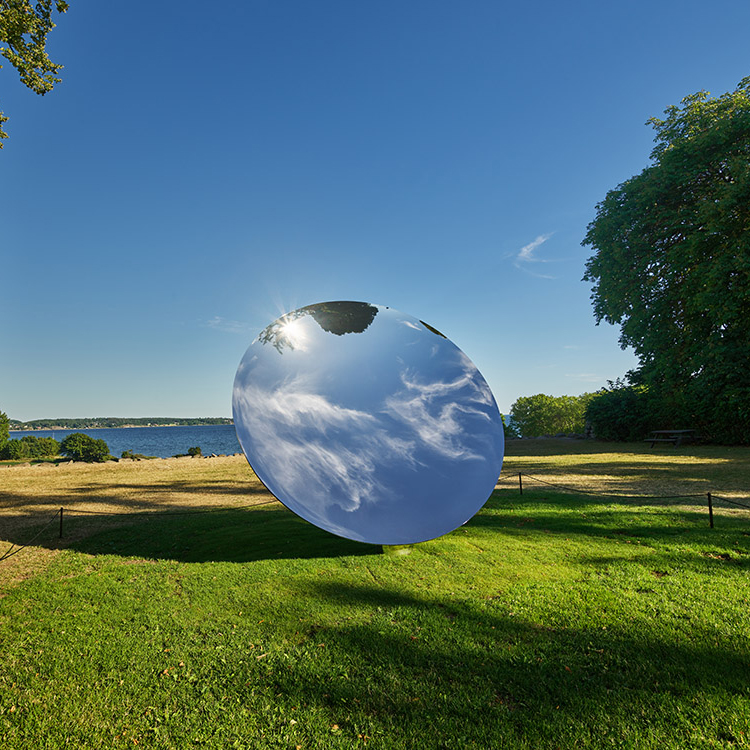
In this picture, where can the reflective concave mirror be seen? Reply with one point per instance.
(368, 423)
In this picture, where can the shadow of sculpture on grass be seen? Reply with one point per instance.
(478, 671)
(234, 535)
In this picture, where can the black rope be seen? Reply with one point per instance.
(605, 494)
(8, 552)
(727, 500)
(165, 512)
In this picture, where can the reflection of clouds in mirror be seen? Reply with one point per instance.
(314, 450)
(246, 365)
(373, 425)
(437, 411)
(293, 404)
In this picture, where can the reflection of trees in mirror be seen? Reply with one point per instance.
(333, 317)
(434, 330)
(279, 332)
(343, 317)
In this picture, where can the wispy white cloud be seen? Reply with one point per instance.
(527, 255)
(585, 377)
(227, 326)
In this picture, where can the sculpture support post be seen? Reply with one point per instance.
(397, 550)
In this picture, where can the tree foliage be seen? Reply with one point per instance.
(82, 447)
(510, 431)
(4, 429)
(672, 265)
(622, 412)
(29, 448)
(549, 415)
(23, 33)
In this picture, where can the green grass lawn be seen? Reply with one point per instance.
(551, 620)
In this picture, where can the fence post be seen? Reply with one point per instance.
(61, 522)
(710, 511)
(520, 484)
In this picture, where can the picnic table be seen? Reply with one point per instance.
(675, 437)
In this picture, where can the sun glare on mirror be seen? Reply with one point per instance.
(294, 333)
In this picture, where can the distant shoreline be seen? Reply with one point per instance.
(110, 423)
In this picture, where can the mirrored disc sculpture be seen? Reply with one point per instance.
(368, 423)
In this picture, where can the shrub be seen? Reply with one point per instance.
(15, 450)
(30, 447)
(135, 456)
(82, 447)
(196, 451)
(43, 447)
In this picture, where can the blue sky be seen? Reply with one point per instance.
(202, 169)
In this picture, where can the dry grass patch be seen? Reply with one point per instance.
(631, 470)
(31, 495)
(136, 486)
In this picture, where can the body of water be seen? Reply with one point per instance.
(156, 441)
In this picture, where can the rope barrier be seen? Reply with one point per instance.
(604, 494)
(11, 551)
(165, 512)
(708, 495)
(8, 552)
(731, 502)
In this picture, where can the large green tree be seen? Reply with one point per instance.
(672, 264)
(23, 34)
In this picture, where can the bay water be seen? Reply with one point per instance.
(162, 442)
